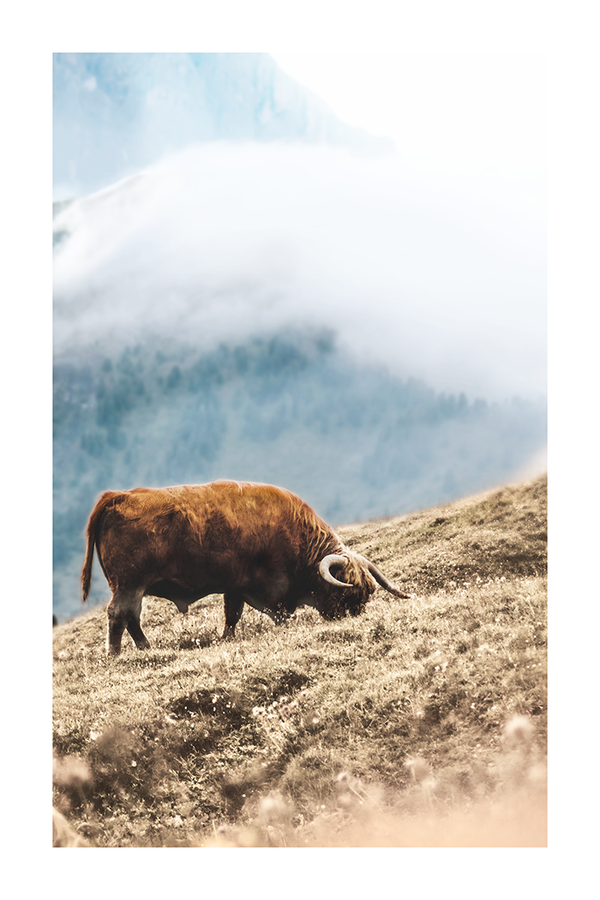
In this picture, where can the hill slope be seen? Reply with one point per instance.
(422, 722)
(290, 409)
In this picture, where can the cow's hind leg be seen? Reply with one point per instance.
(124, 612)
(234, 606)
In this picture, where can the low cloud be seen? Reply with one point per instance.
(442, 281)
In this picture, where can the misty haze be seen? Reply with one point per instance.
(223, 241)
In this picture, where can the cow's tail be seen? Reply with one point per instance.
(86, 572)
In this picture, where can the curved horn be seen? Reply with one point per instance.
(327, 562)
(379, 577)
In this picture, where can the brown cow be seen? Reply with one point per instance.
(255, 543)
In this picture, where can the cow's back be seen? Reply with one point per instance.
(175, 530)
(242, 513)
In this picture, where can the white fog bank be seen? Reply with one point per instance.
(441, 281)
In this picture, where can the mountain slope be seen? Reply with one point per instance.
(115, 113)
(420, 723)
(353, 441)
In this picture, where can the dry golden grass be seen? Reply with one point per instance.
(420, 723)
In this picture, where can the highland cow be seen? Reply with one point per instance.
(254, 543)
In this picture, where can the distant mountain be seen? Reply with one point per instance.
(115, 113)
(288, 409)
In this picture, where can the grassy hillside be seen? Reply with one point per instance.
(420, 723)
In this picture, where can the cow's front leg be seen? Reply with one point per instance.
(234, 606)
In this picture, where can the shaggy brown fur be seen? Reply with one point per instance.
(256, 544)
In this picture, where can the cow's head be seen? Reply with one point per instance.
(349, 585)
(350, 579)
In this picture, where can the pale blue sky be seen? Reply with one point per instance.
(481, 113)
